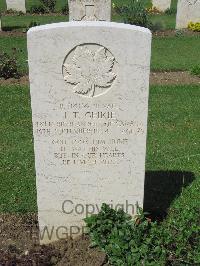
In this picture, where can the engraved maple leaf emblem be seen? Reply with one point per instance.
(89, 70)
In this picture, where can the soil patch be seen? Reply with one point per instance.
(13, 33)
(21, 81)
(19, 246)
(11, 14)
(173, 78)
(156, 78)
(172, 33)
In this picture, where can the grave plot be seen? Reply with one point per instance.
(89, 89)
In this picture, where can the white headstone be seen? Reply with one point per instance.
(89, 92)
(187, 11)
(17, 5)
(89, 10)
(161, 5)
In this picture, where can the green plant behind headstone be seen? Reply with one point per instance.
(135, 13)
(49, 4)
(8, 66)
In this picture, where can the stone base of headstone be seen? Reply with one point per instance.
(89, 86)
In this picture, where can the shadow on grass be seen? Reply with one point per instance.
(161, 188)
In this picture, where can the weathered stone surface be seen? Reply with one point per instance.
(89, 93)
(161, 5)
(187, 11)
(89, 10)
(18, 5)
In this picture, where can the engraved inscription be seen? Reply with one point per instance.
(89, 134)
(89, 69)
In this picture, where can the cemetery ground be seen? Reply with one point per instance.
(169, 53)
(172, 183)
(172, 162)
(17, 21)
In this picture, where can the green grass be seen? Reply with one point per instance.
(8, 44)
(2, 5)
(59, 4)
(30, 3)
(20, 22)
(175, 53)
(23, 22)
(122, 2)
(174, 4)
(174, 126)
(13, 22)
(167, 22)
(168, 53)
(17, 175)
(173, 141)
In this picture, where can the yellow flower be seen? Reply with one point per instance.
(194, 26)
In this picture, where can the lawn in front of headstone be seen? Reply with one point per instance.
(173, 141)
(168, 53)
(172, 161)
(17, 168)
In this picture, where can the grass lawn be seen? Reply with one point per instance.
(174, 126)
(30, 3)
(175, 53)
(168, 53)
(173, 142)
(2, 5)
(16, 46)
(167, 22)
(60, 3)
(21, 22)
(17, 175)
